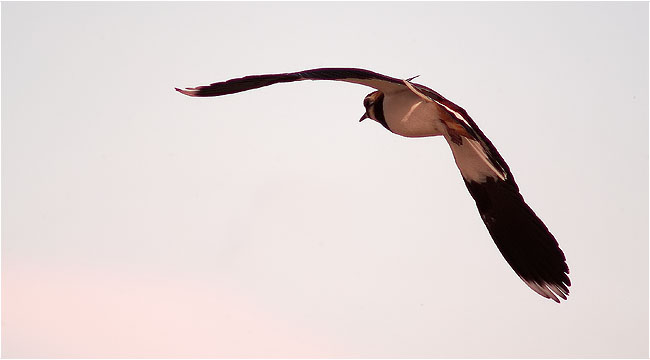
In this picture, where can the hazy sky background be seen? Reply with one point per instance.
(140, 222)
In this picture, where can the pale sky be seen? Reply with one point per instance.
(138, 222)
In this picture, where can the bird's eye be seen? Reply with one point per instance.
(366, 102)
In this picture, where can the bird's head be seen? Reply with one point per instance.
(374, 104)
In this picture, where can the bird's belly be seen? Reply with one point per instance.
(408, 115)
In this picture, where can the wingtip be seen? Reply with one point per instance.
(186, 91)
(548, 290)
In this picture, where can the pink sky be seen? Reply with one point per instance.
(72, 312)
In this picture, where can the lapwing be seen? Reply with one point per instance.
(413, 110)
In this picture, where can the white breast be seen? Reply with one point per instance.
(409, 115)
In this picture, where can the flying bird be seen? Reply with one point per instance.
(413, 110)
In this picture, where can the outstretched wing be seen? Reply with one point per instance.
(521, 237)
(380, 82)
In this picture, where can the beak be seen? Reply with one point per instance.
(365, 116)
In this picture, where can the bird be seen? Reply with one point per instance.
(409, 109)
